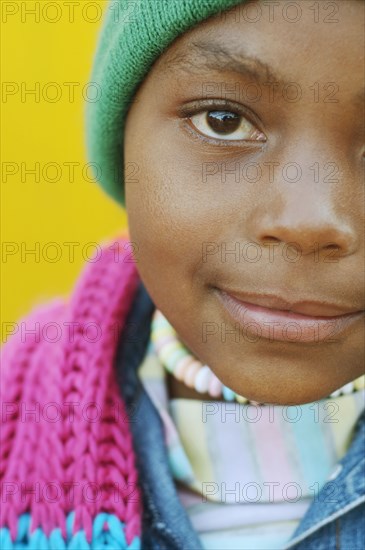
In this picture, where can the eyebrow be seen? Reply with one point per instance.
(207, 55)
(214, 56)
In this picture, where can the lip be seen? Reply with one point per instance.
(275, 318)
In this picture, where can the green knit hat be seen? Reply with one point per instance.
(134, 34)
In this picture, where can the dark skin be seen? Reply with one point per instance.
(173, 211)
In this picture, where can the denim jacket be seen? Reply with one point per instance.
(334, 520)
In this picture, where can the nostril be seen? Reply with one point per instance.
(269, 239)
(331, 246)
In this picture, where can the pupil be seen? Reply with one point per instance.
(223, 122)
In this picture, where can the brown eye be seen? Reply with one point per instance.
(226, 125)
(223, 122)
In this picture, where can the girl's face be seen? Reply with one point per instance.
(247, 206)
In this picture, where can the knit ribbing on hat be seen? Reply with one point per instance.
(133, 36)
(68, 474)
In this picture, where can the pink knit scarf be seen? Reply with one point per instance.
(65, 442)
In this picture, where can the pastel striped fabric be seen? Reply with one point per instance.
(247, 474)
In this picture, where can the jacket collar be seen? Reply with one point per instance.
(343, 491)
(165, 523)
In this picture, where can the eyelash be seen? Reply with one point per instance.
(206, 106)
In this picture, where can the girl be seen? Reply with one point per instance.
(203, 386)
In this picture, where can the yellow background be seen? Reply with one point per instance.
(36, 129)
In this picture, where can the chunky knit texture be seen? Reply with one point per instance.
(63, 354)
(134, 35)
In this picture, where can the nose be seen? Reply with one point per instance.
(308, 218)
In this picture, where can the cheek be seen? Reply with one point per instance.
(162, 220)
(171, 213)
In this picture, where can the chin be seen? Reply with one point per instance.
(283, 398)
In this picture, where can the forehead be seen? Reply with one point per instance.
(283, 42)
